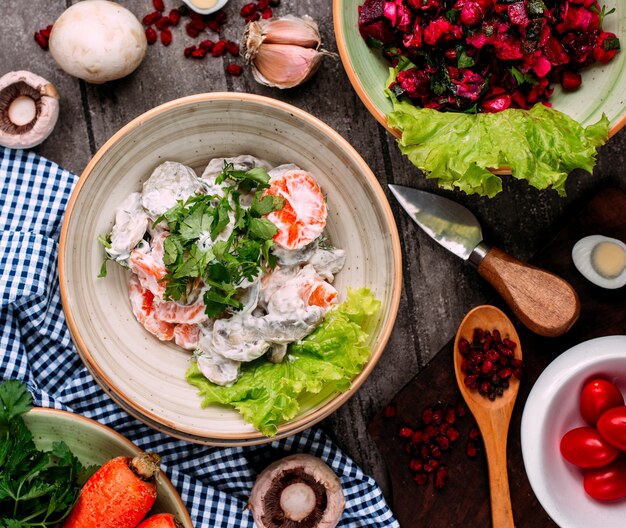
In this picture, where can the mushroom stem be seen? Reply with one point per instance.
(297, 501)
(22, 110)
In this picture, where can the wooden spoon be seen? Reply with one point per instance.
(492, 417)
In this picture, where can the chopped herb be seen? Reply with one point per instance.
(464, 60)
(452, 15)
(200, 247)
(106, 242)
(602, 13)
(37, 488)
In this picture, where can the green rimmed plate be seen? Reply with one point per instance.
(93, 444)
(603, 89)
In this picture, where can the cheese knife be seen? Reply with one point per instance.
(542, 301)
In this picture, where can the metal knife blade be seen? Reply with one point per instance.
(545, 303)
(450, 224)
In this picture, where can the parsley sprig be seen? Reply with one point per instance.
(194, 252)
(37, 488)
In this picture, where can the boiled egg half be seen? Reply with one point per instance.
(601, 260)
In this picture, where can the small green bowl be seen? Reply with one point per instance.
(94, 443)
(602, 90)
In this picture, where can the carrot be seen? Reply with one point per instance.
(118, 495)
(161, 520)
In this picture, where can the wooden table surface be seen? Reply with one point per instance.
(438, 288)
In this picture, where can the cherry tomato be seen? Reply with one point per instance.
(585, 448)
(596, 397)
(612, 426)
(607, 483)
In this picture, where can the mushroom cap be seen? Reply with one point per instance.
(289, 470)
(98, 41)
(15, 84)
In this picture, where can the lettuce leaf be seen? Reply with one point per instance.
(540, 145)
(267, 394)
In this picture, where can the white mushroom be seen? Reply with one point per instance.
(29, 109)
(299, 491)
(98, 41)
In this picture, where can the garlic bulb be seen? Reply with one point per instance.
(284, 52)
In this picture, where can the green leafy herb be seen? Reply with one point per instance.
(522, 78)
(37, 488)
(452, 15)
(201, 248)
(106, 242)
(464, 60)
(602, 13)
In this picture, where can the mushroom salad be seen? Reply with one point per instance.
(232, 265)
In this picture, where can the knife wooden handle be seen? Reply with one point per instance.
(543, 302)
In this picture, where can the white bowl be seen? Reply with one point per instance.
(207, 10)
(551, 410)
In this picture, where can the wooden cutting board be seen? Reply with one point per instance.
(464, 502)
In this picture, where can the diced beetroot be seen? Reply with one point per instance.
(440, 30)
(579, 46)
(571, 81)
(586, 3)
(405, 19)
(414, 82)
(555, 52)
(390, 11)
(470, 86)
(541, 65)
(497, 104)
(606, 47)
(578, 19)
(380, 31)
(508, 47)
(425, 5)
(371, 11)
(471, 14)
(517, 14)
(413, 41)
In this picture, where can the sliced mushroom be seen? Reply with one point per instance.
(29, 109)
(299, 491)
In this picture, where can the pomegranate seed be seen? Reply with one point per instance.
(253, 18)
(443, 442)
(151, 18)
(219, 49)
(471, 449)
(41, 40)
(478, 335)
(431, 431)
(248, 10)
(418, 437)
(496, 336)
(461, 410)
(487, 343)
(516, 362)
(193, 33)
(444, 427)
(232, 47)
(405, 432)
(435, 452)
(262, 4)
(189, 50)
(437, 416)
(474, 433)
(166, 37)
(151, 35)
(198, 25)
(390, 411)
(195, 16)
(415, 464)
(463, 346)
(452, 434)
(424, 452)
(427, 416)
(505, 373)
(163, 23)
(492, 355)
(433, 464)
(214, 26)
(421, 478)
(509, 344)
(220, 17)
(518, 373)
(45, 32)
(441, 477)
(207, 45)
(199, 53)
(174, 17)
(486, 367)
(158, 5)
(470, 380)
(267, 13)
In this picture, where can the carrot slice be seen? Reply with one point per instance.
(161, 520)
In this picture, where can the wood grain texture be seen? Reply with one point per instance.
(543, 302)
(492, 417)
(438, 287)
(465, 501)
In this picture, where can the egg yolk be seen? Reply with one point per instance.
(608, 259)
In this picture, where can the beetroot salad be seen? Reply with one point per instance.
(486, 55)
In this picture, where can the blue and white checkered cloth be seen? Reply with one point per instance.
(35, 347)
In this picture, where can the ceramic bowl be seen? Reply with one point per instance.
(146, 376)
(94, 443)
(602, 89)
(552, 409)
(196, 6)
